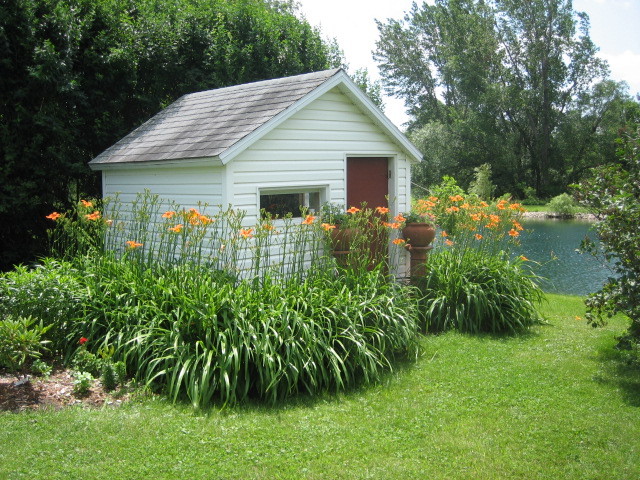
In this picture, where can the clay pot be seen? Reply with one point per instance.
(419, 234)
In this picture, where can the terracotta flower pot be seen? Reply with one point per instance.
(341, 238)
(419, 234)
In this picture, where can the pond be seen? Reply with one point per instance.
(553, 244)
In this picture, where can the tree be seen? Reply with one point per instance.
(501, 75)
(77, 75)
(612, 192)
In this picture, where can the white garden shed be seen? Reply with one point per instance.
(310, 138)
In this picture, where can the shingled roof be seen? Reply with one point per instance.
(205, 124)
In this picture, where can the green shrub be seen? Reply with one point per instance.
(108, 376)
(20, 341)
(82, 382)
(85, 361)
(563, 205)
(199, 336)
(613, 193)
(51, 292)
(120, 370)
(473, 292)
(40, 367)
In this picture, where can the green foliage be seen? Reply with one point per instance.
(108, 376)
(85, 361)
(120, 370)
(563, 205)
(613, 193)
(467, 290)
(40, 367)
(82, 382)
(52, 292)
(481, 186)
(370, 87)
(20, 341)
(75, 76)
(514, 83)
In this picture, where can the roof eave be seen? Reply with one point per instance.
(181, 162)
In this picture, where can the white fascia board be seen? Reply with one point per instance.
(184, 162)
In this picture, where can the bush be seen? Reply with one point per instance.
(471, 282)
(20, 341)
(612, 192)
(562, 205)
(205, 337)
(52, 292)
(473, 292)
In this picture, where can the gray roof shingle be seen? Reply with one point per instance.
(205, 124)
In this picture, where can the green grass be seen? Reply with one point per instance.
(555, 403)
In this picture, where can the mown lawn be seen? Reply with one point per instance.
(558, 403)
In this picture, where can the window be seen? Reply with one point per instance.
(282, 202)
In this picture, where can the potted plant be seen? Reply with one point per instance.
(418, 229)
(340, 225)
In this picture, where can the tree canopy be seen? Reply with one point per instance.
(515, 83)
(77, 75)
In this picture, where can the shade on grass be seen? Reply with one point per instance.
(555, 403)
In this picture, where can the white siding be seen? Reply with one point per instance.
(185, 186)
(310, 148)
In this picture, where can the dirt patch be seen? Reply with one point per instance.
(54, 391)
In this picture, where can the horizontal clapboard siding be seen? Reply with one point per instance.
(308, 148)
(186, 186)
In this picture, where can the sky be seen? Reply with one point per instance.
(615, 29)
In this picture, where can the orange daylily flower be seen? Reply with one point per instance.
(132, 244)
(53, 216)
(382, 210)
(484, 204)
(444, 234)
(353, 210)
(268, 227)
(86, 204)
(308, 220)
(399, 218)
(494, 218)
(168, 214)
(433, 199)
(327, 226)
(514, 233)
(205, 220)
(452, 209)
(177, 229)
(523, 258)
(476, 217)
(399, 241)
(246, 232)
(456, 198)
(394, 225)
(515, 206)
(93, 216)
(478, 236)
(448, 242)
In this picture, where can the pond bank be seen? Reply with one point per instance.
(546, 216)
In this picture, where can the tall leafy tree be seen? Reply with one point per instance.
(76, 75)
(501, 75)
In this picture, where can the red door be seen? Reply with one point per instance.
(367, 181)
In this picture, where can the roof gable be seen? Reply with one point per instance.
(224, 122)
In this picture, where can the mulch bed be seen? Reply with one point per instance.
(53, 392)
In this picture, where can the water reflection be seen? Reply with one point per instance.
(553, 243)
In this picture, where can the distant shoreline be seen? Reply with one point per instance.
(547, 216)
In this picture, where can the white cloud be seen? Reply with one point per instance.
(625, 66)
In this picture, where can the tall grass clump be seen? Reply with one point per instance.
(473, 283)
(207, 309)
